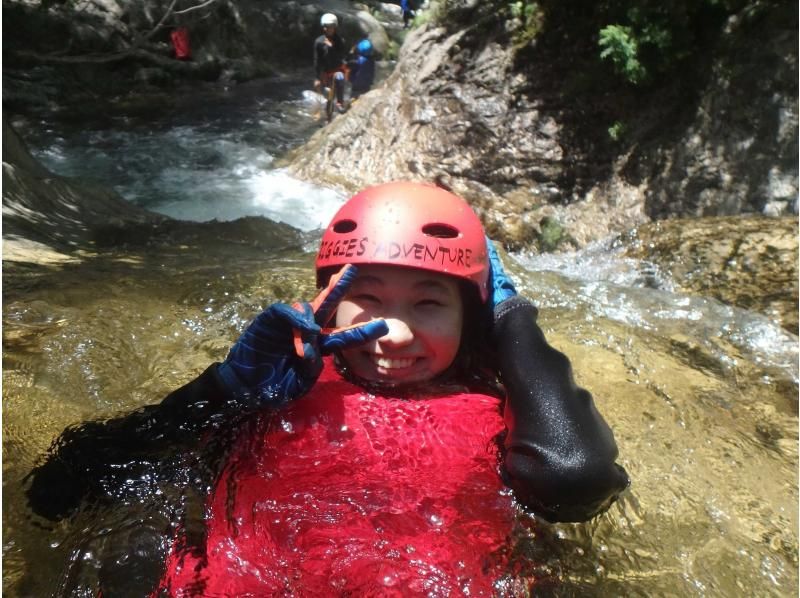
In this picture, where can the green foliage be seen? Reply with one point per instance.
(438, 11)
(431, 14)
(524, 10)
(393, 49)
(616, 131)
(618, 45)
(647, 39)
(552, 234)
(530, 16)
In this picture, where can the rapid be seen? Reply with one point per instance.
(702, 397)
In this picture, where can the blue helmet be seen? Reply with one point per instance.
(364, 47)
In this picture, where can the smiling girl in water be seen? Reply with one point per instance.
(378, 451)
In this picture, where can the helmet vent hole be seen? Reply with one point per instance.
(440, 231)
(345, 226)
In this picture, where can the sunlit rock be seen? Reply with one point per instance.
(749, 262)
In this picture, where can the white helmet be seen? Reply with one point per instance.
(329, 19)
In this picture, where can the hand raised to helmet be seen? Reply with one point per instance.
(278, 358)
(500, 285)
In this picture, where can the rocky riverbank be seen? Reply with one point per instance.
(68, 58)
(50, 220)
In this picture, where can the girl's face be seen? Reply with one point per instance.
(424, 312)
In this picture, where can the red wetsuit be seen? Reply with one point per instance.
(347, 493)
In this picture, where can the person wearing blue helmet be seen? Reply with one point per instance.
(362, 68)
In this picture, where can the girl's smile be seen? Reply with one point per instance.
(424, 313)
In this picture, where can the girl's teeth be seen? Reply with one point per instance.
(392, 364)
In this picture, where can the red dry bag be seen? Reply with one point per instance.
(180, 43)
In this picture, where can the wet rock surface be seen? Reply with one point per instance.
(749, 262)
(49, 219)
(508, 125)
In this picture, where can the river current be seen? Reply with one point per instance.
(702, 397)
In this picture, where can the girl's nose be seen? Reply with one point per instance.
(399, 333)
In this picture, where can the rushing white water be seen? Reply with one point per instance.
(215, 160)
(211, 161)
(634, 292)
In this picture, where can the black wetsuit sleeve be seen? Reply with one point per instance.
(317, 58)
(559, 454)
(84, 461)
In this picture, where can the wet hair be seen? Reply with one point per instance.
(473, 365)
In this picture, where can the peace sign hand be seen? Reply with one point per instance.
(278, 358)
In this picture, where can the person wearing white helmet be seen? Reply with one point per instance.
(329, 19)
(330, 53)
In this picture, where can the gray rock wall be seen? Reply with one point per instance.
(739, 151)
(512, 129)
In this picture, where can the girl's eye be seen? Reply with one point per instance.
(366, 297)
(430, 303)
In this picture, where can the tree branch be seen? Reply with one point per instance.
(196, 7)
(158, 25)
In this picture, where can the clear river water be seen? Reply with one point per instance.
(703, 398)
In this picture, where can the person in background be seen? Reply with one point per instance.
(408, 12)
(330, 53)
(362, 68)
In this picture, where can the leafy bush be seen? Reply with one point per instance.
(618, 45)
(530, 16)
(552, 234)
(647, 39)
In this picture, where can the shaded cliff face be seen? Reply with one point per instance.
(738, 149)
(519, 132)
(520, 128)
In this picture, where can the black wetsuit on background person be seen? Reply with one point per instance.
(329, 58)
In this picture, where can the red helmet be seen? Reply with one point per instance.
(408, 224)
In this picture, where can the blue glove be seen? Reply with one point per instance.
(278, 358)
(500, 285)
